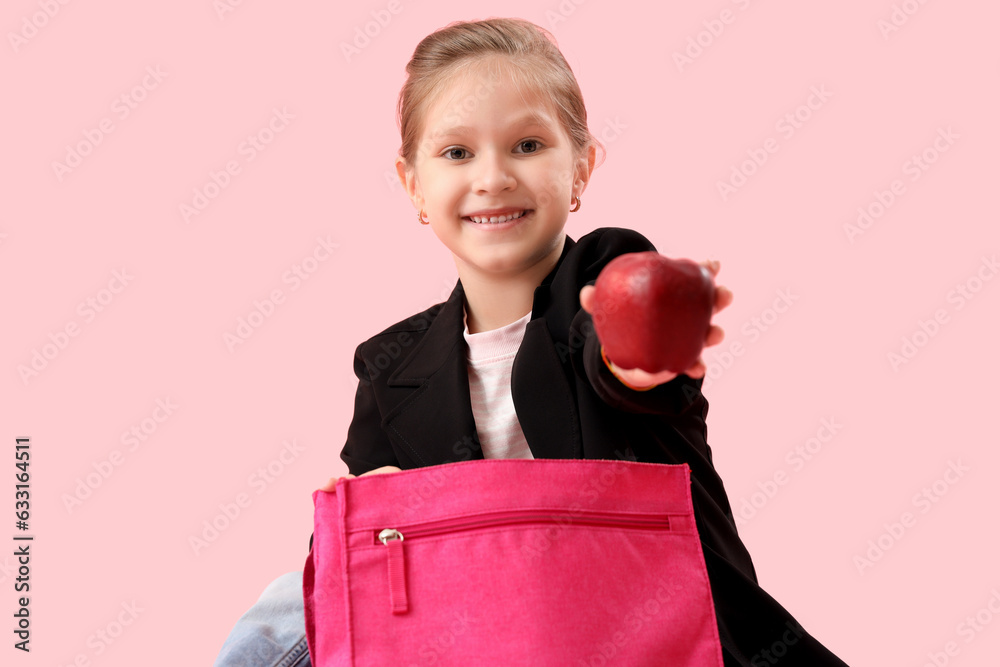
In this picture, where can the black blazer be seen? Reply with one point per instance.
(413, 409)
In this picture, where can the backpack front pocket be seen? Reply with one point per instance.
(393, 538)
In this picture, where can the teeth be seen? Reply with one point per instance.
(497, 219)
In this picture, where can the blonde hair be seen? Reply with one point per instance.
(518, 48)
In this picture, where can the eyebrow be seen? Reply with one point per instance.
(524, 121)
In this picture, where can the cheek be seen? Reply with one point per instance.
(556, 177)
(439, 195)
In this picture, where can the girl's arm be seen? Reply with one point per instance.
(630, 390)
(367, 447)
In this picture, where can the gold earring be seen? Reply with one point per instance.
(576, 207)
(420, 217)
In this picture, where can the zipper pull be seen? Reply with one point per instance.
(393, 540)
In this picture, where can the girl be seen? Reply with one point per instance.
(495, 154)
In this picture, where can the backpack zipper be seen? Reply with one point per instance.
(393, 538)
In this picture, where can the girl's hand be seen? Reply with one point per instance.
(640, 379)
(332, 483)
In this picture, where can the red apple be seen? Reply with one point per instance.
(651, 312)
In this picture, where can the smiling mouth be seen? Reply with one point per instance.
(497, 219)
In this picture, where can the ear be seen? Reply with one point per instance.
(409, 182)
(584, 168)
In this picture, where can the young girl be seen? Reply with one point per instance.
(495, 155)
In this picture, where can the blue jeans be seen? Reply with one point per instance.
(273, 632)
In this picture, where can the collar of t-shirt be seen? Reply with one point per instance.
(490, 357)
(495, 344)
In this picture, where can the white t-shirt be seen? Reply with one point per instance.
(491, 355)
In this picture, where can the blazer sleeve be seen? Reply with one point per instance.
(674, 398)
(367, 446)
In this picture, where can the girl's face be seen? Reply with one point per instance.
(481, 150)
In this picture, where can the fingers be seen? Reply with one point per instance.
(380, 471)
(331, 483)
(696, 371)
(723, 297)
(712, 265)
(714, 336)
(636, 377)
(586, 294)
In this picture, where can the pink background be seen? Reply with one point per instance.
(672, 133)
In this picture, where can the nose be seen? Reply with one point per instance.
(493, 173)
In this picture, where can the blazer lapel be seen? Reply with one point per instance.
(434, 424)
(542, 397)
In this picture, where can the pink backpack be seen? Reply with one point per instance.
(574, 562)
